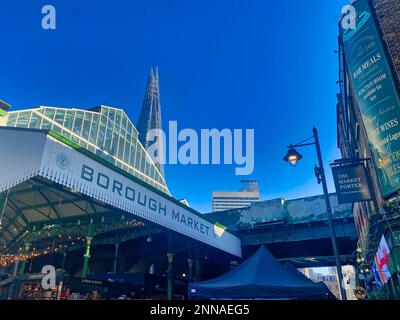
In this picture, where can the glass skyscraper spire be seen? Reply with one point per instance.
(150, 117)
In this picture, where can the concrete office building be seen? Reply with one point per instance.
(249, 194)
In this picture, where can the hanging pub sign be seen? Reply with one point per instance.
(352, 183)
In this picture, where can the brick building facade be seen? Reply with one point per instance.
(388, 15)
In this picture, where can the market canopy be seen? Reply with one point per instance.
(289, 267)
(260, 277)
(48, 179)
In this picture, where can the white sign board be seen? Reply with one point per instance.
(69, 167)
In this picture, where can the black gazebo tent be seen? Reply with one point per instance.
(289, 267)
(260, 277)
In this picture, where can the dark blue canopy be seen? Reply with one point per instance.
(289, 267)
(260, 277)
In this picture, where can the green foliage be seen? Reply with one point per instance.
(392, 206)
(378, 294)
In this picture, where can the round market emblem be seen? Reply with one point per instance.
(360, 293)
(62, 161)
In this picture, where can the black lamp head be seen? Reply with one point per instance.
(293, 157)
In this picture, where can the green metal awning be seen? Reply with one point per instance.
(47, 183)
(38, 211)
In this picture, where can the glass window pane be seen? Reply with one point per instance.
(142, 163)
(148, 166)
(74, 138)
(152, 172)
(86, 125)
(46, 124)
(121, 145)
(123, 123)
(129, 127)
(102, 132)
(49, 113)
(93, 130)
(99, 153)
(83, 144)
(129, 137)
(96, 117)
(66, 134)
(126, 152)
(118, 120)
(12, 119)
(69, 119)
(57, 128)
(78, 122)
(60, 115)
(108, 138)
(133, 153)
(23, 119)
(104, 112)
(114, 144)
(111, 115)
(137, 159)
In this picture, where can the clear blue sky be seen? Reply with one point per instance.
(267, 65)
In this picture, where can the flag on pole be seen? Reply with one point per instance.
(376, 274)
(383, 266)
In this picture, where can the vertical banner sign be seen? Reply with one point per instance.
(375, 92)
(352, 183)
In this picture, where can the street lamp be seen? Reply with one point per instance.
(293, 157)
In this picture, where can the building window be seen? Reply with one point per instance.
(12, 119)
(86, 125)
(49, 113)
(59, 118)
(34, 123)
(46, 125)
(23, 119)
(78, 122)
(69, 119)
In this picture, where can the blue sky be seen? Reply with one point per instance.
(263, 65)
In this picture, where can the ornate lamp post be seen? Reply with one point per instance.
(293, 157)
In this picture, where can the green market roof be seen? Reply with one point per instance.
(104, 131)
(38, 210)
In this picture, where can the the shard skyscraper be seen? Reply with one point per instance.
(150, 116)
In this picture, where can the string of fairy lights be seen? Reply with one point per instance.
(60, 242)
(56, 236)
(9, 259)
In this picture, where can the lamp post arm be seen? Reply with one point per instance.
(329, 213)
(303, 145)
